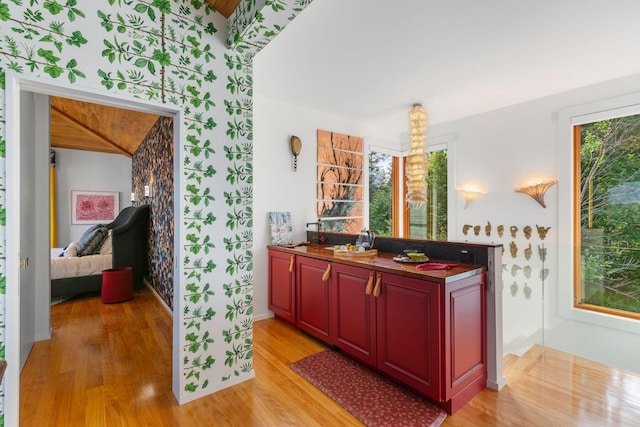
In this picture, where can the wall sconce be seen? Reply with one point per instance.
(417, 160)
(148, 188)
(133, 196)
(296, 146)
(537, 190)
(470, 195)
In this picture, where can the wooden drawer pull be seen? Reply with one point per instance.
(367, 290)
(376, 289)
(326, 274)
(293, 258)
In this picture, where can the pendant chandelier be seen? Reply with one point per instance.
(416, 166)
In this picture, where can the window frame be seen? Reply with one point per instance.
(443, 142)
(567, 119)
(577, 235)
(397, 171)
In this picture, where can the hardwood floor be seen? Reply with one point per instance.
(110, 365)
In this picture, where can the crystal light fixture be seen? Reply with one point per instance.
(417, 159)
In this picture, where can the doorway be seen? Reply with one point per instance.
(18, 120)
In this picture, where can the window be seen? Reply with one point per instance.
(416, 221)
(607, 215)
(429, 220)
(383, 193)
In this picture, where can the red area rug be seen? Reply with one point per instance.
(368, 396)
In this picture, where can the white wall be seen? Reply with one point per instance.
(276, 186)
(495, 152)
(90, 171)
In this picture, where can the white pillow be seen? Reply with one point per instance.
(105, 249)
(71, 250)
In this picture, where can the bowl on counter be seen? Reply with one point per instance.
(415, 256)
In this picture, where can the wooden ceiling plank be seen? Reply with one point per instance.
(108, 141)
(224, 7)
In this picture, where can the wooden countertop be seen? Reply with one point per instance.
(384, 262)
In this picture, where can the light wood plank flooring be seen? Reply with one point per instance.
(110, 365)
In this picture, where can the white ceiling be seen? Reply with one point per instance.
(370, 60)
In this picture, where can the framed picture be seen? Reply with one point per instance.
(281, 228)
(94, 207)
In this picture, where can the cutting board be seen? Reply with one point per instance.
(356, 254)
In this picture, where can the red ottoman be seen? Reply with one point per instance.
(117, 285)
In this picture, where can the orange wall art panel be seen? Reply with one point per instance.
(340, 183)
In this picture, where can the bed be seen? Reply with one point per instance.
(129, 246)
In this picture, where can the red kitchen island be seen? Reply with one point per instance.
(424, 329)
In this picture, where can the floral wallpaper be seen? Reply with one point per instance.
(152, 165)
(172, 52)
(252, 27)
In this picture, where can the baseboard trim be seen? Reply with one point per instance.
(497, 385)
(157, 295)
(267, 315)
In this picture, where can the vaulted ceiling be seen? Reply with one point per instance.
(91, 127)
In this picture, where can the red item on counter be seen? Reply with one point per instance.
(434, 266)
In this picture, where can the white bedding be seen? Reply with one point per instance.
(89, 265)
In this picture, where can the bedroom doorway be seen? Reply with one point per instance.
(23, 94)
(101, 151)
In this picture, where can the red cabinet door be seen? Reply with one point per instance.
(465, 337)
(313, 280)
(355, 312)
(409, 334)
(282, 285)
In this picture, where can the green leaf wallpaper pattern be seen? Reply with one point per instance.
(40, 41)
(173, 52)
(131, 41)
(251, 28)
